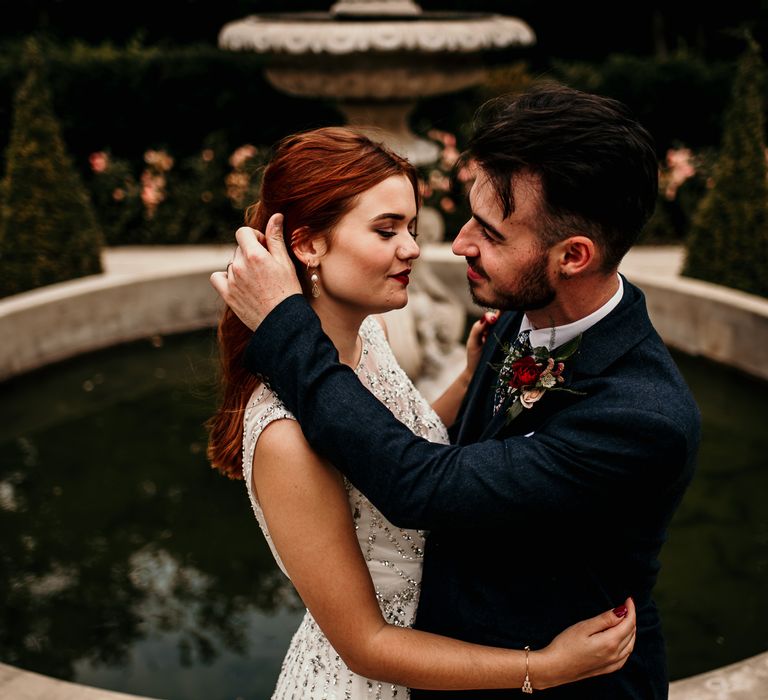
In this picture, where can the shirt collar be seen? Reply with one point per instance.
(562, 334)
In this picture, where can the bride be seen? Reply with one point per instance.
(349, 209)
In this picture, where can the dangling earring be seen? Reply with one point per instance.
(314, 278)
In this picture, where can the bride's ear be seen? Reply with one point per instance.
(307, 248)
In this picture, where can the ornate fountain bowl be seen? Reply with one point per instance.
(341, 35)
(376, 58)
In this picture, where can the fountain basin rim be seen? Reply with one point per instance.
(159, 290)
(351, 36)
(424, 16)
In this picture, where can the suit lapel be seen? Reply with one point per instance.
(614, 336)
(476, 408)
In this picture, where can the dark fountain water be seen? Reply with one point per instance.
(128, 564)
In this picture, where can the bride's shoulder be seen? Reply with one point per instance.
(263, 407)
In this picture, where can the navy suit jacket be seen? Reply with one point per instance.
(534, 524)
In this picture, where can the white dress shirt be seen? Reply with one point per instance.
(562, 334)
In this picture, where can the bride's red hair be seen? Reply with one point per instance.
(313, 180)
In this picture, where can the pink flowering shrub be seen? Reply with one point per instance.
(679, 168)
(153, 181)
(684, 176)
(200, 198)
(445, 184)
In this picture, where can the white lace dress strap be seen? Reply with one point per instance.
(263, 408)
(380, 372)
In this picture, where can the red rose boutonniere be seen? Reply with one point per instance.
(526, 374)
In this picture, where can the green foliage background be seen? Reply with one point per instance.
(48, 230)
(728, 241)
(160, 85)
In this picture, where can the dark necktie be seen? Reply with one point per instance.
(522, 345)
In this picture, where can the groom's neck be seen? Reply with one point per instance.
(575, 299)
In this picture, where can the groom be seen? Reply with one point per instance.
(552, 503)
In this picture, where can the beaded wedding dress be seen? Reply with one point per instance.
(312, 669)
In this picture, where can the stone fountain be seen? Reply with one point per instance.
(376, 58)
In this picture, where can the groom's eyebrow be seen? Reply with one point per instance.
(487, 226)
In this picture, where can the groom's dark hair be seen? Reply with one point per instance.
(597, 165)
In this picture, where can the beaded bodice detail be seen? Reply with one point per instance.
(393, 555)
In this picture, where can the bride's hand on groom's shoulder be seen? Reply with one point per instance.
(261, 274)
(599, 645)
(478, 336)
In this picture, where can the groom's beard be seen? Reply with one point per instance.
(532, 291)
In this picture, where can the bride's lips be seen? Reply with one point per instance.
(402, 277)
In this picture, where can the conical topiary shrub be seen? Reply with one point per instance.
(48, 231)
(728, 240)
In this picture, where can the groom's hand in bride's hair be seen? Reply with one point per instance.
(592, 647)
(261, 274)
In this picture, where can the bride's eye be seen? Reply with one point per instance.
(385, 233)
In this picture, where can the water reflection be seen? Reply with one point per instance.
(125, 562)
(712, 588)
(115, 530)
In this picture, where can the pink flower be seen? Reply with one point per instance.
(449, 156)
(237, 186)
(447, 205)
(680, 168)
(528, 397)
(207, 155)
(158, 159)
(118, 194)
(152, 191)
(438, 181)
(99, 161)
(467, 173)
(241, 155)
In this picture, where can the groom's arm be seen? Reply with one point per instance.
(572, 467)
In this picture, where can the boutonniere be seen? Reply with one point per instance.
(526, 374)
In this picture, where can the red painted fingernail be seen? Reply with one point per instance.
(621, 611)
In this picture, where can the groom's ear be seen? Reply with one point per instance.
(575, 255)
(307, 247)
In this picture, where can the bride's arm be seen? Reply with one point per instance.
(309, 519)
(448, 403)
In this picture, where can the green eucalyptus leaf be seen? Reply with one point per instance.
(566, 350)
(514, 410)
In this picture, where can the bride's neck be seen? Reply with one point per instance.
(342, 327)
